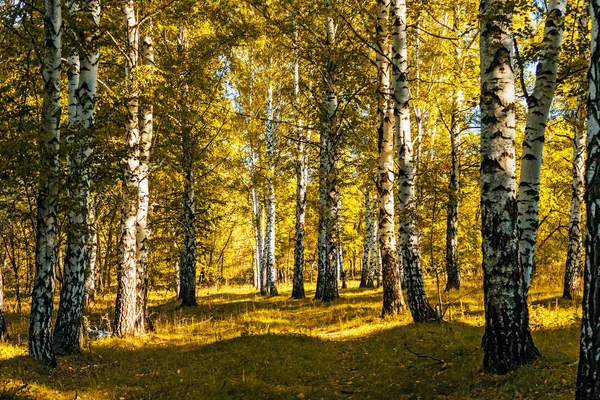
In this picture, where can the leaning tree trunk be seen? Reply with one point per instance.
(364, 272)
(126, 308)
(271, 136)
(507, 341)
(588, 379)
(3, 328)
(67, 332)
(40, 328)
(538, 108)
(574, 263)
(418, 303)
(142, 230)
(330, 129)
(301, 182)
(393, 300)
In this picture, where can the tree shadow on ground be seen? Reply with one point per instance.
(246, 346)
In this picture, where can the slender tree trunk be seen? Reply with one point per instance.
(418, 303)
(40, 328)
(373, 261)
(67, 332)
(322, 235)
(330, 130)
(271, 136)
(574, 266)
(187, 273)
(507, 341)
(393, 300)
(91, 258)
(538, 108)
(452, 266)
(301, 182)
(142, 230)
(588, 380)
(364, 272)
(126, 308)
(3, 328)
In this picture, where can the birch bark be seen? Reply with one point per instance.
(40, 328)
(67, 331)
(588, 379)
(393, 300)
(538, 108)
(507, 341)
(574, 264)
(301, 182)
(364, 274)
(126, 308)
(418, 303)
(142, 231)
(271, 136)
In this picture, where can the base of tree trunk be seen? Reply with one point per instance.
(507, 352)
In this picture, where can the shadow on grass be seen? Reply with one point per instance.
(395, 359)
(414, 361)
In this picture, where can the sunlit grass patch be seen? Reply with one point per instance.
(237, 344)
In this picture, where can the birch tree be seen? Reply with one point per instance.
(70, 311)
(187, 275)
(364, 273)
(393, 301)
(452, 267)
(329, 128)
(538, 108)
(271, 137)
(418, 303)
(588, 380)
(301, 182)
(126, 308)
(574, 263)
(507, 341)
(143, 172)
(40, 327)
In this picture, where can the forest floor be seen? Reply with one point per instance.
(238, 345)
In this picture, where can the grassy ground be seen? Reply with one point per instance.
(239, 345)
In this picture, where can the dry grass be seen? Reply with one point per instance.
(239, 345)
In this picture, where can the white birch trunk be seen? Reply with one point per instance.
(574, 263)
(301, 182)
(142, 230)
(271, 136)
(418, 303)
(364, 273)
(538, 104)
(126, 308)
(507, 341)
(67, 332)
(588, 379)
(331, 131)
(393, 300)
(40, 328)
